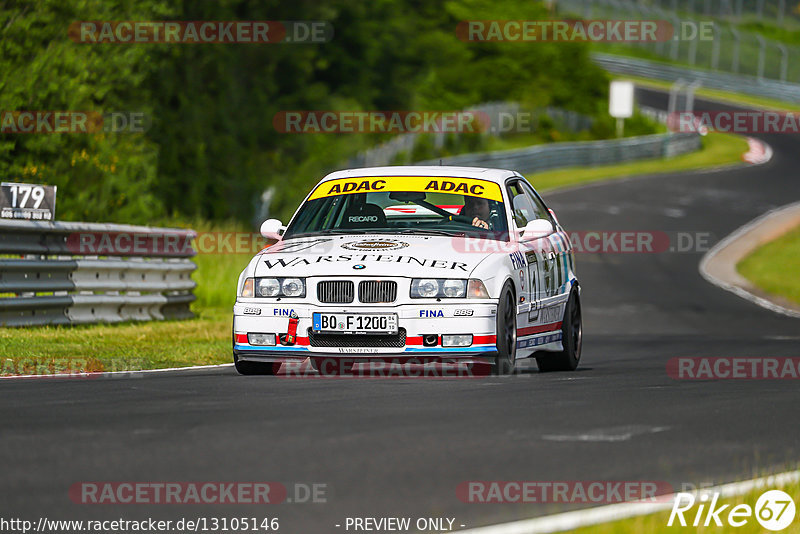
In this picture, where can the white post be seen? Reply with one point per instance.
(673, 95)
(690, 90)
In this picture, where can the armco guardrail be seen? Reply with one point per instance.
(69, 273)
(584, 153)
(789, 92)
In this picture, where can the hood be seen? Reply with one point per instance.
(375, 255)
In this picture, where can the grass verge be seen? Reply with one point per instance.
(117, 347)
(718, 149)
(768, 265)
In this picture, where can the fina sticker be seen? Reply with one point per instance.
(421, 184)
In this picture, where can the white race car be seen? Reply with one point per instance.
(423, 264)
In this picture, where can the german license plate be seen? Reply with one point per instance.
(346, 323)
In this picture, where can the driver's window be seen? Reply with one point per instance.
(540, 209)
(521, 205)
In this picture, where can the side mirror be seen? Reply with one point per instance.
(536, 229)
(272, 229)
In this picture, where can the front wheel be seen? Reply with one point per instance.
(571, 339)
(506, 361)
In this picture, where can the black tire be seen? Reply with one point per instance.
(505, 362)
(254, 368)
(572, 340)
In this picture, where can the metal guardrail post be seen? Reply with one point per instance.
(737, 41)
(693, 49)
(674, 91)
(715, 47)
(784, 61)
(690, 91)
(676, 42)
(762, 56)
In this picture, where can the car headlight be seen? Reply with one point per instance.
(268, 287)
(454, 288)
(274, 287)
(293, 287)
(424, 288)
(437, 287)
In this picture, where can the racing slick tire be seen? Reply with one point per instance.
(572, 340)
(505, 362)
(254, 368)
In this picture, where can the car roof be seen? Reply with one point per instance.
(493, 175)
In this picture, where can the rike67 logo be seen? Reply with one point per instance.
(774, 510)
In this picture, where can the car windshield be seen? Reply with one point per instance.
(423, 205)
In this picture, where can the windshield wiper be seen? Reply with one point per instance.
(432, 231)
(335, 231)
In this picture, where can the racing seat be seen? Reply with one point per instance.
(364, 216)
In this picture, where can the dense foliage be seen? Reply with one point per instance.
(211, 149)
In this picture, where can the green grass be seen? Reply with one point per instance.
(656, 523)
(121, 347)
(774, 267)
(206, 339)
(718, 149)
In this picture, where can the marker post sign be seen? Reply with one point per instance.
(620, 103)
(32, 202)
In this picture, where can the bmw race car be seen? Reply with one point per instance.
(430, 264)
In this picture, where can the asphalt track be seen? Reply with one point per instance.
(401, 447)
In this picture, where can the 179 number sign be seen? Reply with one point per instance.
(27, 201)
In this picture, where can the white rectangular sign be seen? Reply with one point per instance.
(620, 100)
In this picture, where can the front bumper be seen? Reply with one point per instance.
(418, 323)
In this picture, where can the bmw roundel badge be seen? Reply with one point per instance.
(359, 266)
